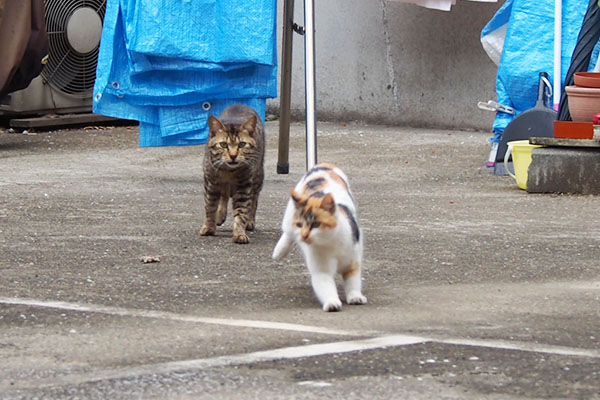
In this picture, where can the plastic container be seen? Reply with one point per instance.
(521, 155)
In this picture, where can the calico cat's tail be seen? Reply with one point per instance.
(283, 247)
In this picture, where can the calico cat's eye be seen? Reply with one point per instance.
(223, 145)
(315, 225)
(242, 144)
(299, 224)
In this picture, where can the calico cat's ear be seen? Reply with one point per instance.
(250, 125)
(300, 202)
(328, 204)
(214, 125)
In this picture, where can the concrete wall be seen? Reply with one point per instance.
(389, 62)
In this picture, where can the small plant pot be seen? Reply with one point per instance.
(584, 102)
(587, 79)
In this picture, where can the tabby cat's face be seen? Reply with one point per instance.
(232, 145)
(314, 216)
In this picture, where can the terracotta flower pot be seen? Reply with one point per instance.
(587, 79)
(584, 102)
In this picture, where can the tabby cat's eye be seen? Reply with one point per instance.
(223, 145)
(242, 144)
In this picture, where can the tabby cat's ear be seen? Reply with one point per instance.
(300, 202)
(214, 125)
(250, 125)
(328, 204)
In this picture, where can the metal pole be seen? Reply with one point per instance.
(310, 84)
(283, 166)
(557, 54)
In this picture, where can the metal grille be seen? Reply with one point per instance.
(66, 69)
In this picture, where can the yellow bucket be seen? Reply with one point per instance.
(521, 154)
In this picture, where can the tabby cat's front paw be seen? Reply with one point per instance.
(208, 231)
(250, 226)
(356, 299)
(241, 239)
(332, 305)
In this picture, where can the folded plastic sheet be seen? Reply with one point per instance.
(494, 32)
(527, 48)
(172, 92)
(206, 30)
(188, 125)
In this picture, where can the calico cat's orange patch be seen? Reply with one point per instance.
(314, 206)
(313, 209)
(331, 171)
(327, 165)
(353, 269)
(338, 179)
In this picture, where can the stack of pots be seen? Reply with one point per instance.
(584, 96)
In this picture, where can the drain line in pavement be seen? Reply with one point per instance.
(224, 361)
(128, 312)
(267, 355)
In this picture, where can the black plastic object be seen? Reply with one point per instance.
(537, 121)
(580, 61)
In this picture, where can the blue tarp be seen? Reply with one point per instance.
(528, 49)
(171, 63)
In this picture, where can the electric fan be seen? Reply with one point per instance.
(74, 29)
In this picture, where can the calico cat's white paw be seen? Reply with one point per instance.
(356, 299)
(332, 305)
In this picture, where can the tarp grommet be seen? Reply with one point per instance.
(206, 106)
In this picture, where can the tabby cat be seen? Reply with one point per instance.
(321, 218)
(233, 167)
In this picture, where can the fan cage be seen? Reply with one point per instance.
(67, 70)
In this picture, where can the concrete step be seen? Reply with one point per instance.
(564, 170)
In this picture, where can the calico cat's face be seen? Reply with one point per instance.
(314, 215)
(231, 145)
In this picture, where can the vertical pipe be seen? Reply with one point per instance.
(557, 53)
(283, 166)
(310, 83)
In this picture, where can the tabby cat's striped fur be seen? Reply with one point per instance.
(233, 167)
(321, 218)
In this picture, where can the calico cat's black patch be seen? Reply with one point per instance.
(315, 183)
(317, 169)
(353, 223)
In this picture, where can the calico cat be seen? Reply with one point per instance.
(321, 218)
(233, 167)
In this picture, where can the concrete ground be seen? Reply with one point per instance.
(477, 290)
